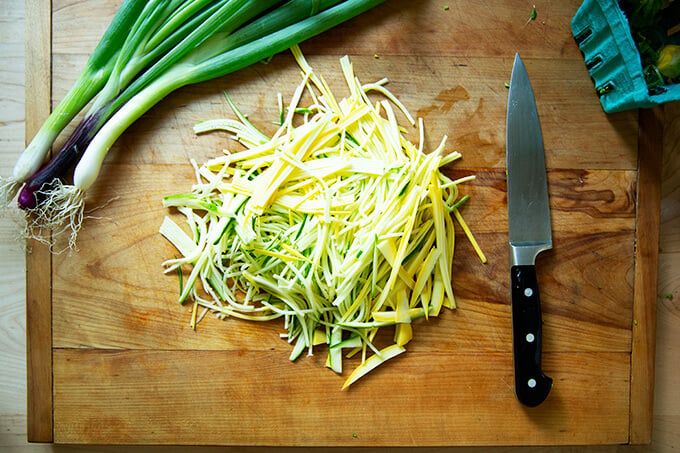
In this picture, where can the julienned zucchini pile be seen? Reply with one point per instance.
(337, 224)
(150, 49)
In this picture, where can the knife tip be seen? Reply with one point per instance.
(517, 67)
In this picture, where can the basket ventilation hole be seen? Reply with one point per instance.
(594, 62)
(583, 35)
(605, 88)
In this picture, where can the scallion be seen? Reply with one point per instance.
(150, 50)
(90, 81)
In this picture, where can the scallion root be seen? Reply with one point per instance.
(8, 190)
(59, 215)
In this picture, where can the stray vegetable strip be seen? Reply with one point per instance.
(339, 237)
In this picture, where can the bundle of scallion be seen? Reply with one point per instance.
(337, 223)
(150, 49)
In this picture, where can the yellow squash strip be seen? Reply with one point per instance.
(337, 223)
(375, 360)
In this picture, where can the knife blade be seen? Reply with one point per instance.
(529, 234)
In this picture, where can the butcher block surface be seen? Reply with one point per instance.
(112, 353)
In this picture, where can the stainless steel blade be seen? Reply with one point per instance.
(528, 209)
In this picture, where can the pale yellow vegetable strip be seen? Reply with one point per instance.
(440, 228)
(469, 235)
(319, 246)
(258, 281)
(278, 255)
(294, 252)
(413, 196)
(389, 251)
(236, 187)
(192, 324)
(194, 254)
(388, 94)
(365, 138)
(214, 179)
(177, 237)
(450, 157)
(359, 300)
(418, 260)
(297, 187)
(225, 310)
(302, 167)
(437, 293)
(390, 316)
(255, 164)
(464, 179)
(371, 363)
(402, 308)
(317, 80)
(319, 337)
(354, 116)
(348, 72)
(424, 274)
(250, 153)
(450, 233)
(396, 138)
(334, 360)
(277, 174)
(269, 181)
(386, 216)
(242, 133)
(287, 125)
(390, 135)
(198, 267)
(425, 296)
(305, 205)
(403, 333)
(295, 202)
(326, 167)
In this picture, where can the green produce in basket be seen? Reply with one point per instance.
(653, 26)
(669, 61)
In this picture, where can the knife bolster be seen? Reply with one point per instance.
(525, 254)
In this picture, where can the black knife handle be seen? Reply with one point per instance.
(531, 385)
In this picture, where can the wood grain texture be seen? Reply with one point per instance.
(449, 101)
(667, 379)
(38, 259)
(456, 79)
(106, 298)
(113, 305)
(12, 383)
(12, 266)
(646, 259)
(461, 98)
(205, 398)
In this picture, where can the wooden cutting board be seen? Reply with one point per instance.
(111, 356)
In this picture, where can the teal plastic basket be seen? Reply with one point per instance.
(602, 33)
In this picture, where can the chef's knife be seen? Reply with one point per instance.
(529, 232)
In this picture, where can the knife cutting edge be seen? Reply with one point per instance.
(529, 234)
